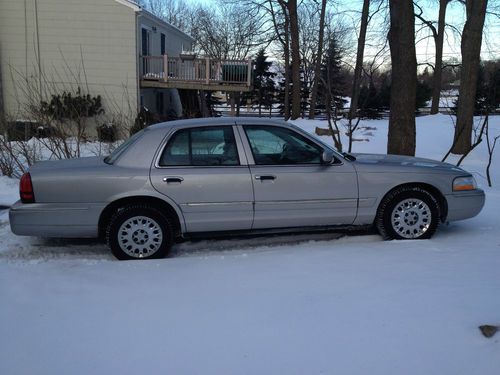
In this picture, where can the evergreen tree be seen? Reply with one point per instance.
(424, 94)
(331, 80)
(369, 102)
(263, 82)
(487, 91)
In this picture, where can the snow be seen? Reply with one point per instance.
(299, 304)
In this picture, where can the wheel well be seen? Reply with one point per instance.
(436, 193)
(113, 207)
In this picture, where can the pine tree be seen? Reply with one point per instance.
(331, 80)
(369, 103)
(263, 82)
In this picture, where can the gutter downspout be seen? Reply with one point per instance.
(137, 67)
(39, 57)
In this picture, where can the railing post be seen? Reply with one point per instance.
(218, 74)
(165, 68)
(207, 70)
(249, 77)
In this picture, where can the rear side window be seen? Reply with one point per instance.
(206, 146)
(111, 158)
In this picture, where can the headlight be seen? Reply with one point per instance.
(464, 183)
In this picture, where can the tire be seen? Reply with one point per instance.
(408, 213)
(139, 232)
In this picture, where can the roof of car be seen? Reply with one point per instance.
(215, 121)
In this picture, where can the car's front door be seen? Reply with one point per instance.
(202, 171)
(292, 187)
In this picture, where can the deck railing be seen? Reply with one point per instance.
(202, 70)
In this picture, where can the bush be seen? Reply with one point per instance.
(106, 133)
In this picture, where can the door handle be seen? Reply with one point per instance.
(173, 180)
(265, 177)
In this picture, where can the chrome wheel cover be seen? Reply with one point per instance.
(140, 237)
(411, 218)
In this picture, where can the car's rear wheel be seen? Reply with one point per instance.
(408, 213)
(139, 232)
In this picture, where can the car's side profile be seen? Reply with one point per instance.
(206, 176)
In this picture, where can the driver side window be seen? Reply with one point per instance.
(272, 145)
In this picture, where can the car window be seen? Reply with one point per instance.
(111, 158)
(204, 146)
(272, 145)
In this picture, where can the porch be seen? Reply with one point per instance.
(190, 73)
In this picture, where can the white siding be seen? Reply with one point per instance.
(86, 43)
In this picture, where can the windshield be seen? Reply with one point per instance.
(111, 158)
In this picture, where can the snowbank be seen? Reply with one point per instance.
(305, 304)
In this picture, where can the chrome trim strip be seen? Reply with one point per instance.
(216, 204)
(33, 210)
(354, 200)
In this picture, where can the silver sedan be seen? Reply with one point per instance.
(206, 177)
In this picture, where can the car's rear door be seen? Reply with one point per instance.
(292, 187)
(204, 170)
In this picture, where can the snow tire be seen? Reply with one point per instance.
(392, 227)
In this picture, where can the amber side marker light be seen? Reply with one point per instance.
(26, 189)
(464, 183)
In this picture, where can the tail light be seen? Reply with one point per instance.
(26, 189)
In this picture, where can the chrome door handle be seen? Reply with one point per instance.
(265, 177)
(173, 179)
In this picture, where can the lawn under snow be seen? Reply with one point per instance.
(305, 304)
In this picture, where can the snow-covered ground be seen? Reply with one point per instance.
(304, 304)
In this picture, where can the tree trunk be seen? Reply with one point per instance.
(471, 49)
(401, 137)
(286, 56)
(286, 52)
(295, 52)
(356, 83)
(203, 104)
(317, 68)
(438, 64)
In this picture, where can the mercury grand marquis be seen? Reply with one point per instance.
(205, 177)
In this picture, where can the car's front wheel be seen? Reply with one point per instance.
(139, 232)
(408, 213)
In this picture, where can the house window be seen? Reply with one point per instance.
(162, 43)
(160, 103)
(145, 42)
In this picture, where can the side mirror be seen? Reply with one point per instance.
(327, 157)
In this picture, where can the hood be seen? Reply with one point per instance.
(404, 161)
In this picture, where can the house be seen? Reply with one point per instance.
(111, 48)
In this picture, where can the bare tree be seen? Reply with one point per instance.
(438, 36)
(283, 34)
(471, 49)
(229, 31)
(175, 12)
(491, 149)
(291, 6)
(401, 137)
(319, 55)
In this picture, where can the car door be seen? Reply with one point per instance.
(204, 170)
(292, 187)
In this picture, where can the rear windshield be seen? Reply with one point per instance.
(111, 158)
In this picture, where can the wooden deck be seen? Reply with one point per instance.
(195, 73)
